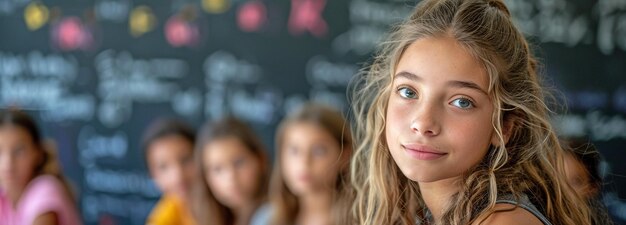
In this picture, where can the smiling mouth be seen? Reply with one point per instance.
(423, 152)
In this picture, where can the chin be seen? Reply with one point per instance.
(181, 196)
(233, 204)
(304, 190)
(299, 191)
(419, 174)
(414, 176)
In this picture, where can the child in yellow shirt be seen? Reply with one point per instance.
(169, 155)
(170, 211)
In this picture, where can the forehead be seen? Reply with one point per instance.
(442, 58)
(168, 146)
(305, 130)
(13, 133)
(230, 145)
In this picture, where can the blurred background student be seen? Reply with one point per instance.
(313, 147)
(169, 148)
(582, 171)
(32, 189)
(234, 168)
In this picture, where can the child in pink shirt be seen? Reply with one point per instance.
(31, 189)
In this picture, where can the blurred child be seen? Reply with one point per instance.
(234, 165)
(168, 152)
(32, 190)
(313, 147)
(582, 170)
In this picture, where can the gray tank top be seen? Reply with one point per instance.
(524, 203)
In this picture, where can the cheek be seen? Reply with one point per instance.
(216, 183)
(480, 133)
(471, 149)
(250, 178)
(395, 119)
(190, 171)
(25, 173)
(210, 177)
(24, 169)
(327, 165)
(27, 164)
(328, 174)
(213, 179)
(289, 167)
(161, 179)
(325, 170)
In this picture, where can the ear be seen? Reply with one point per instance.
(507, 130)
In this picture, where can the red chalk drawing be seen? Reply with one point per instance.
(306, 16)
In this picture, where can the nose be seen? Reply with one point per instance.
(230, 178)
(426, 120)
(301, 163)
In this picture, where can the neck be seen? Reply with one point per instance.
(437, 195)
(183, 201)
(244, 213)
(315, 208)
(14, 196)
(14, 192)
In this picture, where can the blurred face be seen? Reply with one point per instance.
(18, 158)
(439, 114)
(577, 177)
(170, 160)
(310, 159)
(233, 172)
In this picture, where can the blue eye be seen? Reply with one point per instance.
(406, 92)
(463, 103)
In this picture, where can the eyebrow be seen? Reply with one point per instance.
(452, 83)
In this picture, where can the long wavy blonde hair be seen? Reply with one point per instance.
(529, 163)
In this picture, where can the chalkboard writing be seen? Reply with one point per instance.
(571, 23)
(95, 74)
(370, 21)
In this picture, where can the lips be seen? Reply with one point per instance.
(423, 152)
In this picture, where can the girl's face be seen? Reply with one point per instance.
(171, 164)
(232, 172)
(439, 114)
(310, 159)
(18, 158)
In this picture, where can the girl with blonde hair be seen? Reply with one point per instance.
(234, 168)
(313, 145)
(452, 126)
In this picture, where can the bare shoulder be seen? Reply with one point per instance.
(511, 215)
(46, 219)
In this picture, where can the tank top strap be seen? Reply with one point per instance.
(524, 203)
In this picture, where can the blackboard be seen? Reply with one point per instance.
(96, 73)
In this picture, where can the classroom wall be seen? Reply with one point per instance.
(96, 73)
